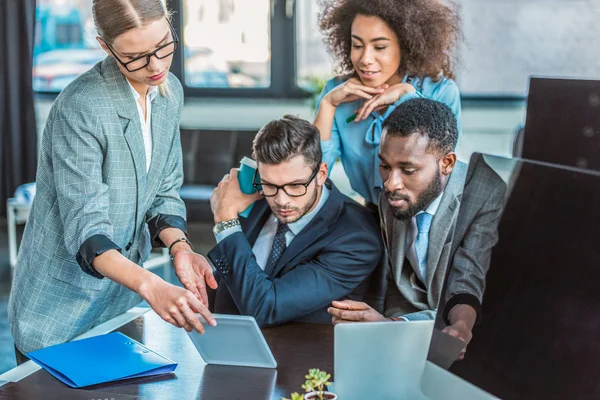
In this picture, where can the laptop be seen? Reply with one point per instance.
(380, 360)
(388, 360)
(538, 332)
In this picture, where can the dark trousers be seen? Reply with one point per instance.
(20, 357)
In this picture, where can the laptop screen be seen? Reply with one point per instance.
(538, 336)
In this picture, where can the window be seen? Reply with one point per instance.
(226, 43)
(67, 33)
(273, 48)
(227, 47)
(509, 40)
(65, 43)
(314, 66)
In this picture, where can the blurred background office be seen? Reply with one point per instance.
(245, 62)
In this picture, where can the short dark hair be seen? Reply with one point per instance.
(428, 118)
(282, 139)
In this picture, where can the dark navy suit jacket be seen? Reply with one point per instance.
(330, 259)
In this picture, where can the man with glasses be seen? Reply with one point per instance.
(304, 243)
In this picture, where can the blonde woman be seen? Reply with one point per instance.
(108, 179)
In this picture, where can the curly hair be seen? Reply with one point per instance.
(428, 32)
(427, 117)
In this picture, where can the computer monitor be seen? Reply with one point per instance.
(563, 122)
(538, 335)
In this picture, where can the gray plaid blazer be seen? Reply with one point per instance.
(92, 180)
(463, 232)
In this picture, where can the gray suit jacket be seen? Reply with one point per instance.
(92, 183)
(463, 232)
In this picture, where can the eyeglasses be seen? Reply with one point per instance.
(291, 189)
(140, 62)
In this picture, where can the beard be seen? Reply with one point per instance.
(425, 198)
(302, 210)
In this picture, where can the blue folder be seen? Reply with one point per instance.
(101, 359)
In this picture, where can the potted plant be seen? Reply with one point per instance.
(314, 85)
(316, 380)
(295, 396)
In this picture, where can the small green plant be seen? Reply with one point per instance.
(295, 396)
(314, 85)
(316, 380)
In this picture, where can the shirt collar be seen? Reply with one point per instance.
(296, 227)
(433, 207)
(152, 91)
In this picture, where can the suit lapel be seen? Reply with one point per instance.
(398, 240)
(394, 232)
(307, 236)
(256, 220)
(135, 142)
(161, 143)
(126, 108)
(312, 232)
(443, 222)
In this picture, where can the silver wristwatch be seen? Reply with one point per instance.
(221, 226)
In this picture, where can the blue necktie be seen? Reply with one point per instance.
(278, 247)
(422, 241)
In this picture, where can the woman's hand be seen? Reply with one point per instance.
(352, 90)
(175, 305)
(194, 273)
(388, 96)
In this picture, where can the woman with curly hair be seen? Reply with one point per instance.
(388, 51)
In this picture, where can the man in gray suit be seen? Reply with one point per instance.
(423, 231)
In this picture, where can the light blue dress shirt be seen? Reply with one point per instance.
(264, 241)
(357, 143)
(411, 237)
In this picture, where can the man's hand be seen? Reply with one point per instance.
(462, 319)
(353, 311)
(460, 331)
(228, 200)
(194, 273)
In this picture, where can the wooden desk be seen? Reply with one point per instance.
(296, 347)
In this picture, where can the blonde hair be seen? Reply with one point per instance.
(115, 17)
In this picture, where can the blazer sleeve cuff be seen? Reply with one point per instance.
(463, 298)
(163, 221)
(90, 249)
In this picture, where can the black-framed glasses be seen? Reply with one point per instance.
(140, 62)
(291, 189)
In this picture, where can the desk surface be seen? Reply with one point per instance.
(296, 347)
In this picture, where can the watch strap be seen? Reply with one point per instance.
(221, 226)
(183, 239)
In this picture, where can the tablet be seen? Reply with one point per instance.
(236, 340)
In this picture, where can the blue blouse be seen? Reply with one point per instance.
(357, 143)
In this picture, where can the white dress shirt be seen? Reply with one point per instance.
(146, 122)
(411, 236)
